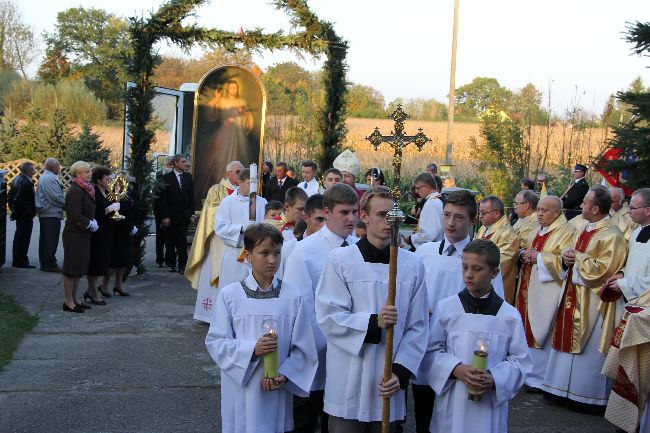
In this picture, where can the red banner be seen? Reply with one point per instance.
(613, 176)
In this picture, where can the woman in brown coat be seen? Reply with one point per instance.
(79, 224)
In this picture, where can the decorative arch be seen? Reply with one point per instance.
(317, 38)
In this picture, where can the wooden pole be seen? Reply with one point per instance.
(452, 89)
(392, 291)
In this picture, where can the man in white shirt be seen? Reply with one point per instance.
(635, 278)
(303, 269)
(428, 186)
(309, 183)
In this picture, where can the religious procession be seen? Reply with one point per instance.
(325, 293)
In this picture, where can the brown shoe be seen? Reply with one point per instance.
(52, 269)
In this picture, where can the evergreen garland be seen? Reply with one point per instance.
(318, 37)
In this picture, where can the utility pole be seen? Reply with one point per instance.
(452, 91)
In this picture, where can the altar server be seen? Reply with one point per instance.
(231, 219)
(294, 211)
(304, 268)
(314, 220)
(204, 261)
(584, 323)
(465, 328)
(635, 278)
(497, 229)
(352, 313)
(443, 277)
(253, 318)
(540, 282)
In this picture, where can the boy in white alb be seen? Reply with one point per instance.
(231, 219)
(352, 313)
(476, 319)
(303, 269)
(251, 401)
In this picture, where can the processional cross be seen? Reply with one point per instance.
(398, 141)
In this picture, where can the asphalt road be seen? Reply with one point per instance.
(139, 365)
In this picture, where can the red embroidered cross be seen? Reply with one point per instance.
(207, 304)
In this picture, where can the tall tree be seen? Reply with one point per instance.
(18, 46)
(631, 137)
(364, 101)
(479, 95)
(93, 43)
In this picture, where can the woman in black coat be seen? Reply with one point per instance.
(102, 239)
(79, 224)
(122, 248)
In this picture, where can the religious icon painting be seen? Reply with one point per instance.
(229, 114)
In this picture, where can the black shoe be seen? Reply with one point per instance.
(92, 301)
(171, 269)
(160, 265)
(181, 271)
(104, 294)
(532, 390)
(120, 292)
(27, 266)
(76, 309)
(83, 306)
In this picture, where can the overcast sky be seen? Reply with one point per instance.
(403, 48)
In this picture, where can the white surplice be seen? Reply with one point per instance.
(231, 219)
(452, 337)
(236, 327)
(430, 223)
(303, 269)
(349, 292)
(636, 273)
(287, 249)
(310, 187)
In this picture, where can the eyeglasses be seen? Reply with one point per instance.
(485, 212)
(514, 203)
(415, 188)
(638, 207)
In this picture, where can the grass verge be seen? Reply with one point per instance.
(14, 323)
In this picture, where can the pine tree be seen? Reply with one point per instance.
(59, 136)
(8, 134)
(633, 137)
(31, 140)
(87, 147)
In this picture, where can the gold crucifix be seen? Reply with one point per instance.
(398, 141)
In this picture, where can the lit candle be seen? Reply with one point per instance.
(479, 361)
(270, 359)
(253, 175)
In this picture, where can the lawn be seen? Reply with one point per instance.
(14, 323)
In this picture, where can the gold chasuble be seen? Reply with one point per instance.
(504, 237)
(523, 227)
(205, 240)
(621, 219)
(601, 253)
(539, 292)
(627, 364)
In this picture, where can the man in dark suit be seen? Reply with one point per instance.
(278, 185)
(176, 211)
(23, 210)
(160, 230)
(578, 188)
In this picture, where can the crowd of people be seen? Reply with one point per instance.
(294, 290)
(94, 244)
(540, 291)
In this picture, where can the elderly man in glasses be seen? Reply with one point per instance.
(525, 206)
(204, 261)
(497, 229)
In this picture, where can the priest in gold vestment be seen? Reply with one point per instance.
(204, 260)
(620, 212)
(540, 282)
(497, 229)
(525, 206)
(584, 324)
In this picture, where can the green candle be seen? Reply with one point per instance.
(271, 361)
(479, 361)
